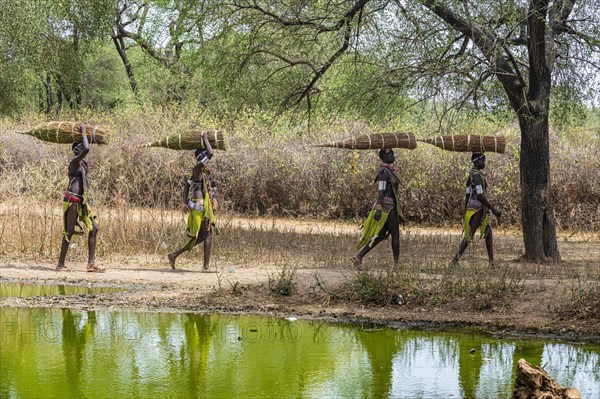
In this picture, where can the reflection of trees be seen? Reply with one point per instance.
(266, 357)
(201, 356)
(381, 347)
(470, 363)
(578, 361)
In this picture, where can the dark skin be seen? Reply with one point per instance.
(205, 235)
(475, 221)
(77, 186)
(392, 224)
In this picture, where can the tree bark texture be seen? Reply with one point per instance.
(537, 212)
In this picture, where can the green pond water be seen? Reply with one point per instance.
(27, 290)
(63, 353)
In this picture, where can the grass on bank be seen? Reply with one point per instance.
(583, 299)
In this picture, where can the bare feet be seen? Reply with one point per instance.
(172, 259)
(62, 268)
(357, 261)
(491, 264)
(92, 268)
(208, 271)
(454, 261)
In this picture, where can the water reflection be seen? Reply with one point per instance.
(66, 353)
(28, 290)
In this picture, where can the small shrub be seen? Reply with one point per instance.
(236, 289)
(380, 287)
(283, 283)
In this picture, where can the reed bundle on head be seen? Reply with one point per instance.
(469, 143)
(68, 132)
(191, 140)
(375, 141)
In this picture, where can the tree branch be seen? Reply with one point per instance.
(487, 43)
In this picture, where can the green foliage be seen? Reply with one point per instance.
(232, 57)
(46, 42)
(104, 81)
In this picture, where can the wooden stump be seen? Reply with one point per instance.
(535, 383)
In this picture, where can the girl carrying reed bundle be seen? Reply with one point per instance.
(476, 210)
(198, 202)
(385, 217)
(76, 205)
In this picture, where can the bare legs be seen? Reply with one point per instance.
(206, 236)
(70, 221)
(489, 245)
(92, 267)
(391, 227)
(474, 224)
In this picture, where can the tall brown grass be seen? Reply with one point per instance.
(272, 170)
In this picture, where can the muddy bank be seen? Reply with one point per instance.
(245, 290)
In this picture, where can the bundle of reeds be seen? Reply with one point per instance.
(375, 141)
(469, 143)
(190, 140)
(68, 132)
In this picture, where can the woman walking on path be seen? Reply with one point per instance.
(385, 217)
(197, 203)
(476, 210)
(76, 206)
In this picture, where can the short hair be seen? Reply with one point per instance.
(383, 152)
(477, 156)
(75, 144)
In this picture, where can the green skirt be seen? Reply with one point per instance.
(485, 222)
(371, 228)
(84, 214)
(195, 219)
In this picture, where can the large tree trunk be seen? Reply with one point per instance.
(537, 212)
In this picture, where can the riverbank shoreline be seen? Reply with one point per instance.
(190, 291)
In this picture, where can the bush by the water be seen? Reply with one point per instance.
(272, 168)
